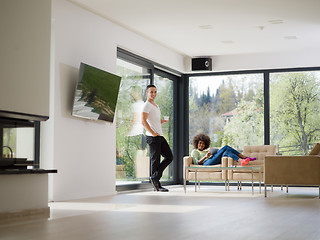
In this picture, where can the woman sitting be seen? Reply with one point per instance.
(203, 156)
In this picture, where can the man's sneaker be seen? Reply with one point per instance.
(155, 184)
(162, 189)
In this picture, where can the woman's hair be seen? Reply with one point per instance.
(201, 137)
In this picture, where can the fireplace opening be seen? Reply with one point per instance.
(19, 143)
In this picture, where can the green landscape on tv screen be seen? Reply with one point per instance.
(96, 94)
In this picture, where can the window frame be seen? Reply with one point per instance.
(175, 76)
(181, 105)
(266, 75)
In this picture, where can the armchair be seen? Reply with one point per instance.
(293, 170)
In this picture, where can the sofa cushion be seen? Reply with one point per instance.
(259, 152)
(207, 168)
(206, 176)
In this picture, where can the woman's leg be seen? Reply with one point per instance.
(215, 159)
(225, 151)
(237, 155)
(230, 149)
(232, 155)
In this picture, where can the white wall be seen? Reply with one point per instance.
(21, 192)
(84, 151)
(293, 59)
(260, 61)
(25, 56)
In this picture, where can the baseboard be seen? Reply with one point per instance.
(25, 214)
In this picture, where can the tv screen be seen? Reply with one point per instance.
(96, 94)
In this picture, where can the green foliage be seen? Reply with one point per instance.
(236, 113)
(295, 107)
(165, 101)
(233, 116)
(246, 126)
(132, 90)
(9, 139)
(226, 98)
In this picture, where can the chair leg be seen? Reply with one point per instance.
(265, 190)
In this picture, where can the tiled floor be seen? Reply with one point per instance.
(210, 213)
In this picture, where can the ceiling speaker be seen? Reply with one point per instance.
(200, 64)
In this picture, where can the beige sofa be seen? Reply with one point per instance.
(207, 174)
(259, 152)
(293, 170)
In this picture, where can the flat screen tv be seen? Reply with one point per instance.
(96, 94)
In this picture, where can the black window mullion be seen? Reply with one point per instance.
(266, 78)
(176, 117)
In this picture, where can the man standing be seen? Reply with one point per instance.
(151, 121)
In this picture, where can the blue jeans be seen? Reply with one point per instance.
(226, 151)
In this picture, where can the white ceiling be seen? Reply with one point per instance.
(217, 27)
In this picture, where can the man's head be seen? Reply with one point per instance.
(151, 86)
(151, 92)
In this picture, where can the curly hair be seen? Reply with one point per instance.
(201, 137)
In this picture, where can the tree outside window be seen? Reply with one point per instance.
(295, 111)
(228, 108)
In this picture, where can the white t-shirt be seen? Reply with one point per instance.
(154, 117)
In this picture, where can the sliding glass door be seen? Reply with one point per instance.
(132, 153)
(132, 161)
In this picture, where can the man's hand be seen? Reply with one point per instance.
(164, 121)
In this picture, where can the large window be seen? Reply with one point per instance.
(231, 109)
(228, 108)
(295, 111)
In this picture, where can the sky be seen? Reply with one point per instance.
(245, 81)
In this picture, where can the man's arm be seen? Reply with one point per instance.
(146, 125)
